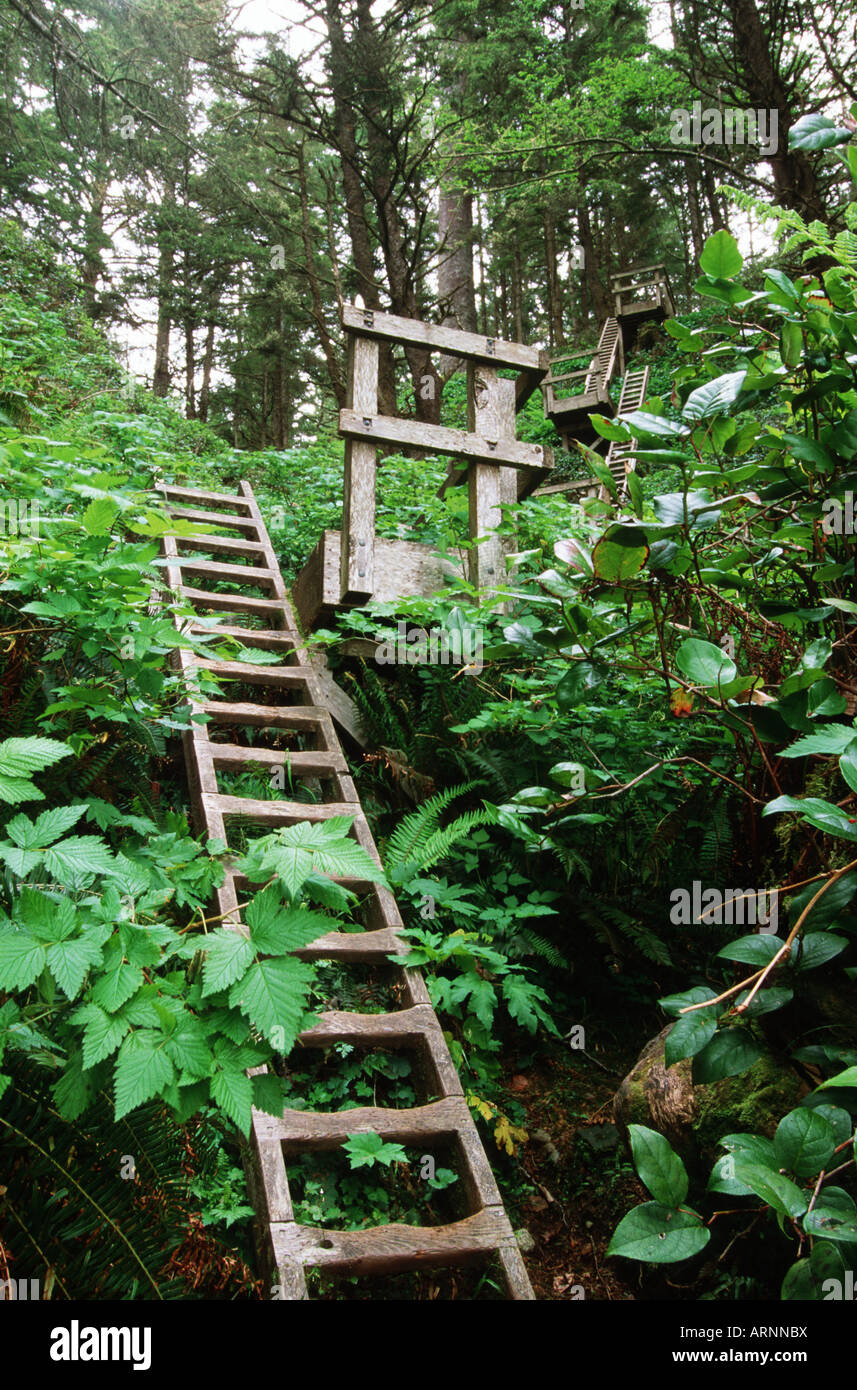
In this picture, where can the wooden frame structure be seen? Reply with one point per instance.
(497, 466)
(293, 701)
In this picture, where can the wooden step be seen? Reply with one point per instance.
(226, 545)
(440, 1119)
(258, 675)
(389, 1249)
(220, 569)
(233, 602)
(280, 812)
(242, 523)
(303, 764)
(269, 639)
(266, 716)
(372, 947)
(229, 499)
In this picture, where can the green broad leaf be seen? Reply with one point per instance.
(580, 678)
(822, 814)
(816, 132)
(273, 995)
(81, 854)
(657, 1234)
(22, 960)
(143, 1068)
(803, 1143)
(833, 738)
(791, 343)
(100, 516)
(705, 664)
(365, 1150)
(720, 256)
(620, 554)
(774, 1188)
(70, 961)
(75, 1090)
(599, 469)
(848, 764)
(730, 1052)
(268, 1095)
(689, 1035)
(715, 397)
(51, 824)
(49, 919)
(115, 987)
(188, 1047)
(808, 450)
(817, 949)
(848, 1077)
(839, 1120)
(752, 950)
(670, 508)
(674, 1003)
(232, 1090)
(612, 429)
(20, 757)
(831, 1223)
(573, 554)
(228, 955)
(102, 1035)
(635, 492)
(658, 1165)
(800, 1284)
(276, 930)
(641, 424)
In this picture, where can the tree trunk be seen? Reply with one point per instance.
(794, 177)
(166, 272)
(207, 364)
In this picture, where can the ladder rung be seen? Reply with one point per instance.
(243, 523)
(258, 675)
(327, 1130)
(220, 569)
(228, 545)
(232, 602)
(232, 499)
(400, 1028)
(267, 638)
(280, 812)
(391, 1248)
(301, 764)
(371, 946)
(265, 716)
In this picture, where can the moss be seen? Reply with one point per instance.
(753, 1102)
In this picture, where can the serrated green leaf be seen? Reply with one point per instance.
(273, 995)
(227, 956)
(142, 1070)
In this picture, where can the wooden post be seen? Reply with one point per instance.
(357, 560)
(507, 420)
(491, 413)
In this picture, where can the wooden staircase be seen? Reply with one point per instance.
(293, 703)
(570, 414)
(634, 390)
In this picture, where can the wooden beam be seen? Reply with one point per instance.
(357, 560)
(438, 439)
(498, 352)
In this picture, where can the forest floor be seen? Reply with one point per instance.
(585, 1181)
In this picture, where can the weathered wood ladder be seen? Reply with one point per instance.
(295, 695)
(634, 389)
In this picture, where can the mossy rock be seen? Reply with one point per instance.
(693, 1118)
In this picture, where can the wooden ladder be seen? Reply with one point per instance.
(634, 389)
(292, 697)
(606, 360)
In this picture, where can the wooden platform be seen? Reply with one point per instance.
(402, 569)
